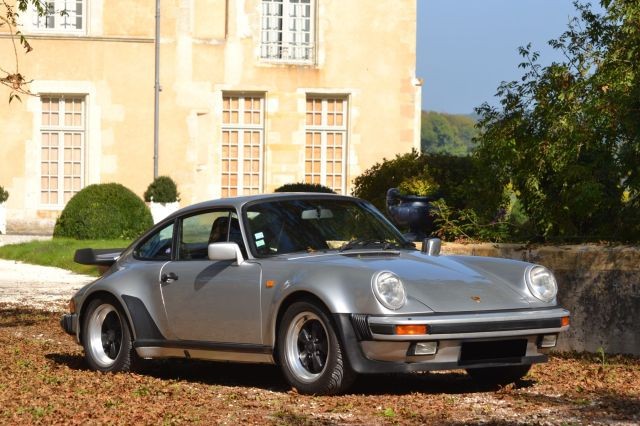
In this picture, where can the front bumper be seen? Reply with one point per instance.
(464, 340)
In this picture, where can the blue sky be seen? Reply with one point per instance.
(467, 47)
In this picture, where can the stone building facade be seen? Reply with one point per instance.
(255, 94)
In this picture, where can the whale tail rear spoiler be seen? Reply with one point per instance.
(98, 257)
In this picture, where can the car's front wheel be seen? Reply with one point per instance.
(498, 375)
(310, 353)
(107, 339)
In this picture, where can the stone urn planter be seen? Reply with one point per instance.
(162, 197)
(161, 210)
(411, 211)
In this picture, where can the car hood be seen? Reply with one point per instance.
(442, 283)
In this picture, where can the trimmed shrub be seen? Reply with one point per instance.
(162, 190)
(467, 195)
(105, 211)
(4, 195)
(305, 187)
(372, 185)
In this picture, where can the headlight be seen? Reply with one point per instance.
(542, 284)
(389, 290)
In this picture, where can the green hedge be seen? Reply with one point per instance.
(104, 211)
(460, 181)
(470, 203)
(304, 187)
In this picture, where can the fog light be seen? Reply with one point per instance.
(548, 341)
(426, 348)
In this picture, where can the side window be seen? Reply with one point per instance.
(158, 246)
(200, 230)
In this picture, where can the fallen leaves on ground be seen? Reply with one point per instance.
(44, 380)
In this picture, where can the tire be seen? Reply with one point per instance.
(106, 337)
(310, 353)
(498, 375)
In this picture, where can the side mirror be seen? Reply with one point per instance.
(225, 251)
(431, 246)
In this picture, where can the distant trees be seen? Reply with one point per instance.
(447, 133)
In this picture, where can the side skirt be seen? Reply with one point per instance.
(149, 349)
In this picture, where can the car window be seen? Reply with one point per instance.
(305, 225)
(157, 246)
(200, 230)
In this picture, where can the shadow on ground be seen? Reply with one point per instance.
(269, 377)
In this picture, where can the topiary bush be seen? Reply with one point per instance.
(305, 187)
(162, 190)
(104, 211)
(4, 195)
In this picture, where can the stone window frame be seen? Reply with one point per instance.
(69, 149)
(242, 144)
(56, 23)
(288, 31)
(321, 153)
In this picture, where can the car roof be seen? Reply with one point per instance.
(239, 202)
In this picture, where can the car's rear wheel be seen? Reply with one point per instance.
(106, 337)
(498, 375)
(310, 353)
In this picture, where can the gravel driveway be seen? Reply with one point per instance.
(40, 287)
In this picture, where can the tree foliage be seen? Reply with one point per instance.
(447, 133)
(567, 136)
(10, 74)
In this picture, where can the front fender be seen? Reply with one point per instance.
(341, 290)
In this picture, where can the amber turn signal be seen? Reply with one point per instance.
(412, 329)
(565, 321)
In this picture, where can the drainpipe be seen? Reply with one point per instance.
(157, 89)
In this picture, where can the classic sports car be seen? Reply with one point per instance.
(322, 285)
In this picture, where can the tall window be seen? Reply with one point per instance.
(62, 149)
(325, 145)
(65, 16)
(288, 30)
(242, 136)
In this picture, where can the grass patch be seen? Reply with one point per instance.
(57, 252)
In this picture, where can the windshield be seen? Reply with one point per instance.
(310, 225)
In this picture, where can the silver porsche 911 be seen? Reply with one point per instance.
(322, 285)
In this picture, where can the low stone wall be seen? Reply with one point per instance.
(599, 284)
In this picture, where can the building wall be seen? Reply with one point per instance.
(365, 52)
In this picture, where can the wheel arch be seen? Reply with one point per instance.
(297, 296)
(104, 295)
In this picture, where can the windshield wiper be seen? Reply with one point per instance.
(363, 242)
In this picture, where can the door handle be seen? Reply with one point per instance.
(170, 277)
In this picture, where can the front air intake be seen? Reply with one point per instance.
(361, 327)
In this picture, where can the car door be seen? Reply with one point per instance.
(211, 301)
